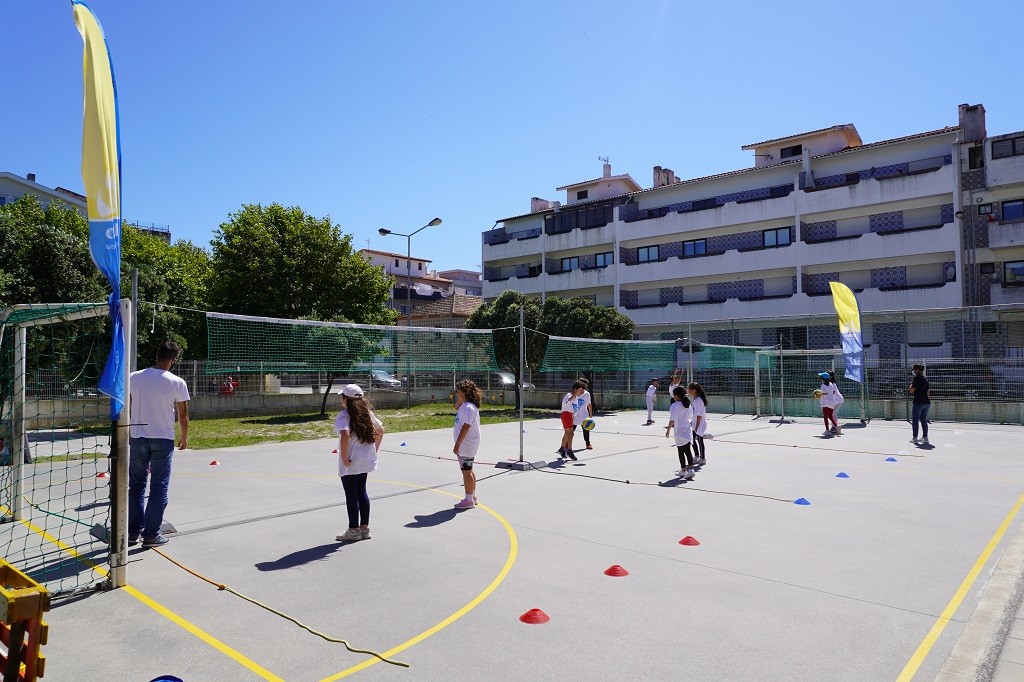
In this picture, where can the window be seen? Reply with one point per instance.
(987, 268)
(570, 264)
(780, 191)
(1013, 210)
(396, 262)
(402, 309)
(1013, 273)
(984, 209)
(1004, 148)
(605, 259)
(584, 218)
(702, 204)
(647, 254)
(419, 266)
(790, 152)
(777, 237)
(695, 247)
(976, 157)
(582, 194)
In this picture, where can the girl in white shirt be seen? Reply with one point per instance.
(467, 436)
(675, 381)
(652, 390)
(830, 401)
(699, 403)
(680, 416)
(359, 436)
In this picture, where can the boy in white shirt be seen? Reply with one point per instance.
(569, 408)
(652, 390)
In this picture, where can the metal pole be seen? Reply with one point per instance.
(757, 384)
(735, 370)
(782, 384)
(19, 436)
(522, 371)
(119, 480)
(689, 342)
(133, 329)
(408, 317)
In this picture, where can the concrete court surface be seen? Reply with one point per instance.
(845, 588)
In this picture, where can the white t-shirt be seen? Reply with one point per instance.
(683, 419)
(651, 390)
(362, 455)
(830, 396)
(468, 413)
(699, 411)
(569, 403)
(672, 389)
(581, 408)
(154, 393)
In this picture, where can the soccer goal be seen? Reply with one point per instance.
(54, 426)
(785, 381)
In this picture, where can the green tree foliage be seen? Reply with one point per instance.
(278, 261)
(581, 318)
(44, 254)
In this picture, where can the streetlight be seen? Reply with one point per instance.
(384, 232)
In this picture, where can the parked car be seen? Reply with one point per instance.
(946, 381)
(381, 379)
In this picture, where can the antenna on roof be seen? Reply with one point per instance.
(603, 159)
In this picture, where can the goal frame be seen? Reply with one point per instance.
(781, 354)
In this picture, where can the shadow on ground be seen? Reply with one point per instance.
(301, 557)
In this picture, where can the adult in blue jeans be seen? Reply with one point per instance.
(922, 403)
(156, 395)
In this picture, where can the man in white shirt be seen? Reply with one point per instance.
(155, 394)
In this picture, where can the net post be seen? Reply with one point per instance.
(782, 383)
(19, 435)
(522, 367)
(119, 482)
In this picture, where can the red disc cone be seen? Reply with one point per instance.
(616, 571)
(215, 463)
(534, 617)
(334, 452)
(103, 474)
(689, 541)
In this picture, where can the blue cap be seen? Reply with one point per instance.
(824, 375)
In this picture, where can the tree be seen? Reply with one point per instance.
(278, 261)
(574, 317)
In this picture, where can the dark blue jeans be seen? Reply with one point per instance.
(150, 459)
(921, 417)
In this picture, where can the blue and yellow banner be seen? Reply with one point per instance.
(849, 330)
(101, 172)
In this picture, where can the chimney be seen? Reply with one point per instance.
(606, 170)
(538, 204)
(31, 177)
(972, 122)
(664, 177)
(670, 178)
(657, 177)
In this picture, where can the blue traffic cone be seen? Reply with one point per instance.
(842, 474)
(890, 459)
(801, 500)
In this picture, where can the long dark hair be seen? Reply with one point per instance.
(360, 423)
(680, 393)
(700, 392)
(470, 390)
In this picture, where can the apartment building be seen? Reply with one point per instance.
(465, 282)
(930, 220)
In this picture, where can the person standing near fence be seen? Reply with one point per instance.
(652, 392)
(569, 409)
(585, 408)
(675, 382)
(155, 395)
(467, 436)
(699, 403)
(359, 437)
(830, 401)
(680, 417)
(922, 404)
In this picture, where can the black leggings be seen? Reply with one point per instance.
(586, 434)
(698, 445)
(356, 499)
(685, 456)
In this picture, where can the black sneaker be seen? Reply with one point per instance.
(570, 455)
(133, 540)
(155, 542)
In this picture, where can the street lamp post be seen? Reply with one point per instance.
(384, 232)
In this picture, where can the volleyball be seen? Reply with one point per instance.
(588, 424)
(817, 393)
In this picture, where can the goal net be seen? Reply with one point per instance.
(54, 443)
(785, 381)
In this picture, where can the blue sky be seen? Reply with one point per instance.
(386, 114)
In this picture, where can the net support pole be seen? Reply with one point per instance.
(782, 384)
(757, 385)
(522, 372)
(119, 482)
(133, 336)
(19, 435)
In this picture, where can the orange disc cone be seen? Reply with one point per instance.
(534, 617)
(616, 571)
(215, 463)
(689, 541)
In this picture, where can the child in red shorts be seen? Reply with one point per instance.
(569, 407)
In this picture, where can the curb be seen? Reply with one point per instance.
(976, 654)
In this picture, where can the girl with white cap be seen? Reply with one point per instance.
(359, 437)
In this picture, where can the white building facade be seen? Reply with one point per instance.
(930, 220)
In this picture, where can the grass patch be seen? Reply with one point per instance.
(69, 457)
(241, 431)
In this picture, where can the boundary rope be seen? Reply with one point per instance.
(333, 640)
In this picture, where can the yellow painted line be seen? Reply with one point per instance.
(910, 669)
(513, 551)
(159, 608)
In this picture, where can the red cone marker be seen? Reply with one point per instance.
(689, 541)
(616, 571)
(534, 617)
(215, 463)
(103, 474)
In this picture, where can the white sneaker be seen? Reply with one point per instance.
(351, 535)
(914, 441)
(700, 461)
(924, 441)
(689, 474)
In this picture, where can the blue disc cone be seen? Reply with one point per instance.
(890, 459)
(801, 500)
(403, 445)
(842, 474)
